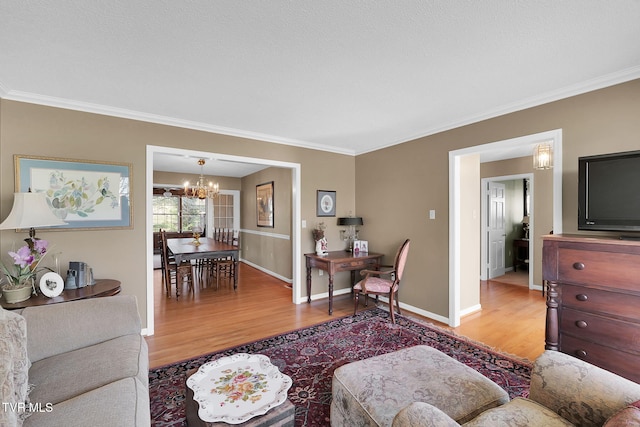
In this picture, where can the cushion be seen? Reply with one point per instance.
(56, 378)
(14, 367)
(122, 403)
(422, 414)
(580, 392)
(628, 416)
(374, 390)
(519, 413)
(374, 284)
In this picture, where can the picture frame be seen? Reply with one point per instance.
(265, 205)
(83, 193)
(326, 203)
(360, 247)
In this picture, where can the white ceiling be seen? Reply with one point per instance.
(344, 76)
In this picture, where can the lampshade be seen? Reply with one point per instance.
(30, 210)
(543, 156)
(350, 220)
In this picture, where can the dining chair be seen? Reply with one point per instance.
(225, 266)
(171, 271)
(375, 284)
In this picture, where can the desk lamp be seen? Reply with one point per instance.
(351, 233)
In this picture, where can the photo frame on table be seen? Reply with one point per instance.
(326, 203)
(83, 193)
(264, 204)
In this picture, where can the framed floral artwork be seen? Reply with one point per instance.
(83, 193)
(326, 203)
(264, 204)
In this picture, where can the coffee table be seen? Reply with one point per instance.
(241, 389)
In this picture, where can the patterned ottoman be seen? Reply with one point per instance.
(371, 392)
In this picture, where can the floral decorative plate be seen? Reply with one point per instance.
(236, 388)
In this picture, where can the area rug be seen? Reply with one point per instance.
(309, 356)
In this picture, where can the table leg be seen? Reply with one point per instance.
(308, 285)
(235, 274)
(330, 293)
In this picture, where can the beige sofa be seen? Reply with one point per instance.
(412, 388)
(87, 365)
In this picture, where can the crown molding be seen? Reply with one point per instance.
(546, 98)
(87, 107)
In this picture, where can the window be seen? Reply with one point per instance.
(177, 214)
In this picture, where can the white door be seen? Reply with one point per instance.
(496, 229)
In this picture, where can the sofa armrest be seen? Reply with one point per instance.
(59, 328)
(424, 415)
(578, 391)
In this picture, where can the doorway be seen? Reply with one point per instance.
(296, 274)
(512, 148)
(500, 240)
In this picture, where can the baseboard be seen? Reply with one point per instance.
(269, 272)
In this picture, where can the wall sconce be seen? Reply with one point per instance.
(351, 233)
(543, 156)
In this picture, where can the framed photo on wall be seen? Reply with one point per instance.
(326, 203)
(264, 204)
(83, 193)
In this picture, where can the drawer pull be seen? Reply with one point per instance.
(582, 297)
(581, 324)
(581, 353)
(578, 266)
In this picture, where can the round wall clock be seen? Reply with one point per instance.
(51, 284)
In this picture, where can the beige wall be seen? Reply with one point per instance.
(397, 186)
(268, 248)
(31, 129)
(470, 232)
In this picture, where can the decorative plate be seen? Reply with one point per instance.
(236, 388)
(51, 284)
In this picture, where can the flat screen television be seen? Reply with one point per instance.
(609, 192)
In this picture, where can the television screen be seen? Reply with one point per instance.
(609, 192)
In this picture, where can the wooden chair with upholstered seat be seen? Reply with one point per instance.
(375, 284)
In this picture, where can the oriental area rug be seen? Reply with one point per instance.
(309, 356)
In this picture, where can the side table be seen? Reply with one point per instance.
(280, 416)
(102, 288)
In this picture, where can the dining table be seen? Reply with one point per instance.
(187, 248)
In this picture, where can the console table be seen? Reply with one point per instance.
(520, 253)
(337, 261)
(102, 288)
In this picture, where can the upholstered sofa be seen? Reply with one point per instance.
(81, 363)
(390, 391)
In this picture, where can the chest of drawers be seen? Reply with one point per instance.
(593, 301)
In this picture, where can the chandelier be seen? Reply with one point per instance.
(202, 190)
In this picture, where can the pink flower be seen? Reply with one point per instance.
(40, 246)
(23, 257)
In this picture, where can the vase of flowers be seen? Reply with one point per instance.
(19, 281)
(321, 241)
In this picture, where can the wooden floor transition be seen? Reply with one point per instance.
(511, 320)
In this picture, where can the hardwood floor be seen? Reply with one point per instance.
(208, 320)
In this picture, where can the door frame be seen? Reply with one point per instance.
(484, 256)
(296, 214)
(455, 236)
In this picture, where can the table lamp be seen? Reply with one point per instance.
(30, 210)
(351, 233)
